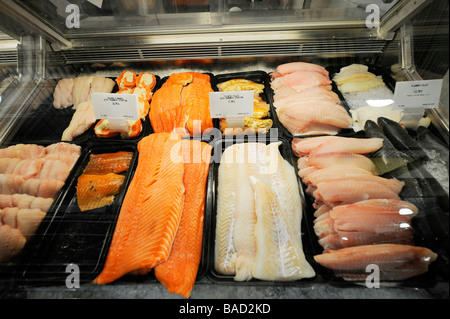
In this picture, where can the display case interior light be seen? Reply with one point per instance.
(379, 103)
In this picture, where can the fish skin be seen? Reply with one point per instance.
(400, 138)
(388, 158)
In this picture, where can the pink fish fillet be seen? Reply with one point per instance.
(28, 168)
(304, 146)
(54, 169)
(292, 67)
(396, 262)
(346, 191)
(63, 149)
(307, 118)
(313, 94)
(25, 201)
(23, 151)
(11, 242)
(45, 187)
(81, 121)
(62, 96)
(349, 145)
(10, 183)
(300, 81)
(25, 219)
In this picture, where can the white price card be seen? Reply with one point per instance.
(115, 106)
(231, 104)
(417, 94)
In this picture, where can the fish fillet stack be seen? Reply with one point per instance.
(77, 92)
(160, 225)
(259, 213)
(304, 101)
(182, 105)
(360, 218)
(30, 177)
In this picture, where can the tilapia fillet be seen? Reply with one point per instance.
(269, 242)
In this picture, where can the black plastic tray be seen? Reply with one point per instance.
(309, 248)
(45, 123)
(7, 268)
(285, 132)
(69, 236)
(259, 77)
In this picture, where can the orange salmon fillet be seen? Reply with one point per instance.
(105, 163)
(150, 213)
(181, 101)
(95, 191)
(178, 273)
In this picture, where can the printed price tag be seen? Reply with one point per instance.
(417, 94)
(115, 106)
(231, 104)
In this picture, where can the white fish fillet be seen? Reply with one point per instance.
(272, 231)
(81, 121)
(224, 252)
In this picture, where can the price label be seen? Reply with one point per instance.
(233, 104)
(115, 106)
(417, 94)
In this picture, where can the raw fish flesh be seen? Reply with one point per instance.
(182, 105)
(345, 191)
(25, 201)
(47, 188)
(95, 191)
(274, 252)
(150, 213)
(292, 67)
(24, 219)
(335, 144)
(300, 81)
(23, 151)
(62, 96)
(81, 121)
(396, 262)
(11, 242)
(179, 272)
(105, 163)
(84, 86)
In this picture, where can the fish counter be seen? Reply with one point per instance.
(316, 194)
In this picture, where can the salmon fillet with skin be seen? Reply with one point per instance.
(150, 213)
(178, 273)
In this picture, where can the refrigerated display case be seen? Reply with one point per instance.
(44, 42)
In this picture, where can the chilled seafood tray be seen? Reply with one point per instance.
(68, 235)
(259, 77)
(309, 248)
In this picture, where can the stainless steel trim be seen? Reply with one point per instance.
(33, 22)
